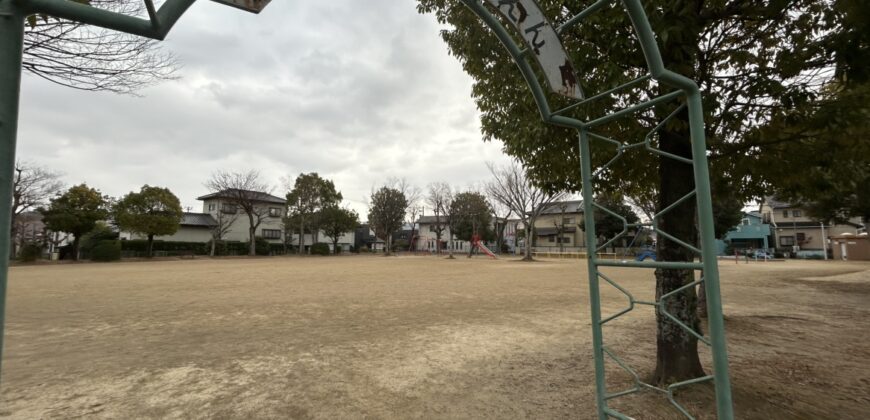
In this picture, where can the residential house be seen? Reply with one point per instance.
(751, 233)
(271, 226)
(364, 236)
(794, 232)
(427, 236)
(560, 225)
(194, 227)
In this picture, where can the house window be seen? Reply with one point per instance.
(796, 213)
(785, 214)
(801, 237)
(212, 206)
(274, 212)
(565, 240)
(272, 233)
(786, 240)
(229, 208)
(567, 220)
(745, 222)
(551, 239)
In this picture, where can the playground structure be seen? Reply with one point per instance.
(546, 49)
(483, 248)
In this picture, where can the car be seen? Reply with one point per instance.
(760, 254)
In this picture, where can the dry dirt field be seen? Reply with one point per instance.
(407, 337)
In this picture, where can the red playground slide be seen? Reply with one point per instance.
(485, 250)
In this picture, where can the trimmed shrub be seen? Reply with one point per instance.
(261, 246)
(106, 251)
(93, 238)
(320, 248)
(400, 245)
(140, 247)
(30, 253)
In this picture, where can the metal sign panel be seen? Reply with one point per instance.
(255, 6)
(526, 16)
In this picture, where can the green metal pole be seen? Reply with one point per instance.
(715, 320)
(592, 272)
(11, 41)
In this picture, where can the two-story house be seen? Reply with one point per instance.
(793, 231)
(751, 233)
(221, 206)
(560, 223)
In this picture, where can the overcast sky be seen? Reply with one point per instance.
(357, 91)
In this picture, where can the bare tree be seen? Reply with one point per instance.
(560, 225)
(32, 187)
(248, 193)
(436, 198)
(500, 212)
(96, 59)
(222, 227)
(414, 195)
(512, 187)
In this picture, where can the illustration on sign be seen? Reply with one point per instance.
(255, 6)
(526, 16)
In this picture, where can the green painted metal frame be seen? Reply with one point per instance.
(12, 19)
(687, 91)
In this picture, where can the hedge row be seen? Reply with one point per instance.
(140, 247)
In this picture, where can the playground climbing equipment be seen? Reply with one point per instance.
(542, 46)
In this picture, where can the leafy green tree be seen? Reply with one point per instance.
(309, 195)
(153, 211)
(76, 212)
(387, 213)
(474, 214)
(606, 225)
(336, 221)
(755, 62)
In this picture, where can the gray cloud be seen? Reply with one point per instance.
(357, 91)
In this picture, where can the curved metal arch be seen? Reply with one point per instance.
(686, 88)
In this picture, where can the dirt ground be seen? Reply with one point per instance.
(408, 337)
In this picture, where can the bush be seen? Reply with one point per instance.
(261, 246)
(400, 245)
(30, 253)
(320, 248)
(93, 238)
(140, 247)
(107, 250)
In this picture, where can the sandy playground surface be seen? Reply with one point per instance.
(408, 337)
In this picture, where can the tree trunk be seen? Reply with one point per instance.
(301, 235)
(677, 350)
(528, 250)
(213, 243)
(335, 246)
(452, 245)
(75, 248)
(13, 232)
(252, 231)
(150, 246)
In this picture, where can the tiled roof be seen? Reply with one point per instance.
(253, 195)
(198, 220)
(776, 203)
(574, 206)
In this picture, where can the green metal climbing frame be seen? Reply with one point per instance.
(523, 16)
